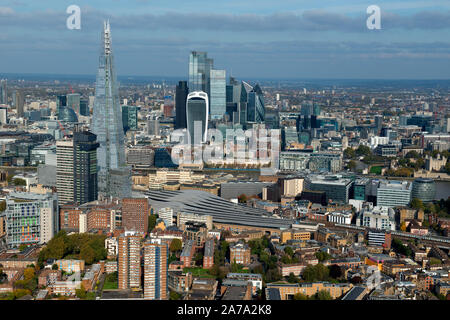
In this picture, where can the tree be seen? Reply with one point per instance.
(322, 256)
(19, 182)
(319, 272)
(403, 226)
(55, 266)
(363, 151)
(300, 296)
(349, 153)
(288, 250)
(152, 222)
(174, 295)
(22, 247)
(176, 245)
(292, 278)
(335, 271)
(87, 254)
(28, 274)
(81, 293)
(417, 204)
(2, 205)
(323, 295)
(351, 165)
(242, 198)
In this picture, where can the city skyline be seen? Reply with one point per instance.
(301, 40)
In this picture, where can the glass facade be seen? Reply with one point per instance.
(129, 118)
(199, 71)
(114, 177)
(423, 189)
(197, 111)
(218, 94)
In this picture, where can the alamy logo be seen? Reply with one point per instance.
(74, 20)
(374, 20)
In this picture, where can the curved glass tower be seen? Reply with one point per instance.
(197, 110)
(423, 189)
(114, 177)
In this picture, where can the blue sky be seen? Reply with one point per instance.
(251, 39)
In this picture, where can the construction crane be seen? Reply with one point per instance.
(61, 127)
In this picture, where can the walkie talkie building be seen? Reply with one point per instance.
(114, 176)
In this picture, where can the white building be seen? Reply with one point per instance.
(377, 217)
(340, 217)
(166, 214)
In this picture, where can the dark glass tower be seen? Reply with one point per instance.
(114, 176)
(181, 94)
(85, 167)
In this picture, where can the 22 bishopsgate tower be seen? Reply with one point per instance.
(114, 177)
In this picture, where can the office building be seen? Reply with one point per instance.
(423, 189)
(135, 214)
(3, 91)
(217, 97)
(200, 67)
(256, 112)
(391, 193)
(197, 113)
(129, 261)
(76, 170)
(129, 118)
(73, 102)
(155, 271)
(361, 189)
(20, 103)
(84, 108)
(30, 218)
(181, 94)
(337, 188)
(114, 177)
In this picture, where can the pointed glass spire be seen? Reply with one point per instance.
(114, 177)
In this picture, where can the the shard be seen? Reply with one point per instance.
(114, 176)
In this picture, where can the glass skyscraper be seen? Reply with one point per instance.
(3, 92)
(199, 72)
(217, 97)
(197, 111)
(180, 104)
(114, 176)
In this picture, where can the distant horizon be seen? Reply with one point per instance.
(180, 78)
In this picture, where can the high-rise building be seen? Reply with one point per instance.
(197, 110)
(76, 170)
(218, 94)
(181, 94)
(129, 261)
(129, 118)
(114, 176)
(84, 107)
(20, 102)
(155, 271)
(135, 214)
(73, 101)
(256, 112)
(199, 72)
(30, 218)
(3, 92)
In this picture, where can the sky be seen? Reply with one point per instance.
(267, 39)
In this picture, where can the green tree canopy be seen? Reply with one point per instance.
(176, 245)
